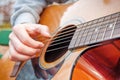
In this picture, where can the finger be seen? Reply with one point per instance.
(39, 29)
(44, 31)
(15, 56)
(21, 48)
(26, 39)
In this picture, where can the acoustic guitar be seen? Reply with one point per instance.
(85, 44)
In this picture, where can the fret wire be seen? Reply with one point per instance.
(88, 35)
(117, 16)
(101, 32)
(97, 34)
(77, 36)
(106, 22)
(84, 28)
(93, 20)
(117, 27)
(116, 32)
(93, 27)
(99, 26)
(103, 19)
(104, 33)
(113, 28)
(72, 43)
(92, 37)
(82, 36)
(90, 27)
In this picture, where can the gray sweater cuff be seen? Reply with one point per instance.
(25, 14)
(25, 18)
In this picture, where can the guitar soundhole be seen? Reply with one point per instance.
(59, 44)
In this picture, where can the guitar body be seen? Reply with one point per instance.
(94, 62)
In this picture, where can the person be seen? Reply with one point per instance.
(24, 20)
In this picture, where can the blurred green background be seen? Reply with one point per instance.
(6, 9)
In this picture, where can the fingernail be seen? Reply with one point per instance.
(48, 34)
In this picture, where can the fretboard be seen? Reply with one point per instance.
(98, 30)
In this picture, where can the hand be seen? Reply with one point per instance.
(22, 44)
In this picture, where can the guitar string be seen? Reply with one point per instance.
(91, 27)
(69, 31)
(79, 31)
(66, 35)
(56, 48)
(84, 28)
(65, 32)
(62, 39)
(62, 42)
(95, 20)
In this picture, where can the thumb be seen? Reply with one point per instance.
(43, 30)
(38, 29)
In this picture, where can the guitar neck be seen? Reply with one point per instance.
(98, 30)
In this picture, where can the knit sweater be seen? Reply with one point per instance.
(28, 11)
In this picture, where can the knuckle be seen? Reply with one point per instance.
(12, 57)
(19, 48)
(33, 52)
(17, 28)
(24, 40)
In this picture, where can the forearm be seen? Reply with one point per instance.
(27, 11)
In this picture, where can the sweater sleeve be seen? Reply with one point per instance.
(27, 11)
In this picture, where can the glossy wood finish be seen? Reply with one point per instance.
(99, 63)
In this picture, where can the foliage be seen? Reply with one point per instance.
(5, 25)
